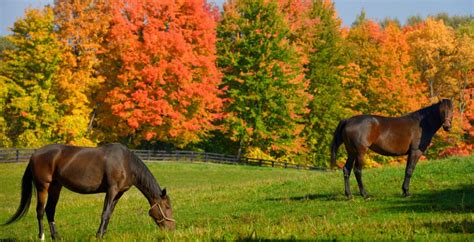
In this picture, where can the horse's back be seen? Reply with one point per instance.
(384, 135)
(81, 169)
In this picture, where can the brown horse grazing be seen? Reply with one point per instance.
(110, 168)
(407, 135)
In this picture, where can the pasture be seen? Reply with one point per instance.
(229, 202)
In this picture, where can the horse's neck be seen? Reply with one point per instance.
(145, 182)
(430, 119)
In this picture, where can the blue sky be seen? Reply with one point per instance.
(10, 10)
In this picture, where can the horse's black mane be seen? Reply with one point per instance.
(422, 113)
(144, 180)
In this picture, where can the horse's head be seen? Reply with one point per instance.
(162, 212)
(446, 113)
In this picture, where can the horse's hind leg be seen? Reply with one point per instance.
(42, 192)
(107, 211)
(358, 174)
(347, 173)
(53, 197)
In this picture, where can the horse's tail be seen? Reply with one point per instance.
(337, 141)
(26, 192)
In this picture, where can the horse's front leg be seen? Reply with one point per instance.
(413, 157)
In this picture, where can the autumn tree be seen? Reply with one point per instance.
(463, 74)
(163, 72)
(387, 82)
(262, 78)
(398, 89)
(431, 46)
(28, 73)
(82, 29)
(365, 61)
(463, 62)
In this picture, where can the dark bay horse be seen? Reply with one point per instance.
(111, 169)
(409, 135)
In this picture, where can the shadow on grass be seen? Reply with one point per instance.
(463, 227)
(8, 240)
(459, 200)
(310, 197)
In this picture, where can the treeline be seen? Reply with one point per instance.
(268, 79)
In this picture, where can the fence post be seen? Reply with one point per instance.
(149, 155)
(273, 164)
(286, 165)
(17, 155)
(260, 163)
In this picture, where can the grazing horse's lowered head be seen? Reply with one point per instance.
(161, 212)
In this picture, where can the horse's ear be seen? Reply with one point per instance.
(163, 193)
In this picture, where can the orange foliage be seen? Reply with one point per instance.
(167, 81)
(431, 44)
(83, 26)
(382, 78)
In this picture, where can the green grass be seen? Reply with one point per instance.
(241, 202)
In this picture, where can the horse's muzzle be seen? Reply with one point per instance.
(447, 128)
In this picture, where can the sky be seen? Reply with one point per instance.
(11, 10)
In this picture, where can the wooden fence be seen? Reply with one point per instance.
(23, 155)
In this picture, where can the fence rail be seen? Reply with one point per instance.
(15, 155)
(23, 155)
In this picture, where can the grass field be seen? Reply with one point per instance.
(241, 202)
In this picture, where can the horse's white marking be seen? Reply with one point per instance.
(42, 236)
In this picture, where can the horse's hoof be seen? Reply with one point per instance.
(349, 197)
(366, 197)
(407, 194)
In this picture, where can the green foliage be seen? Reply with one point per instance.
(386, 21)
(324, 73)
(453, 21)
(5, 44)
(29, 106)
(361, 18)
(226, 202)
(262, 77)
(414, 20)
